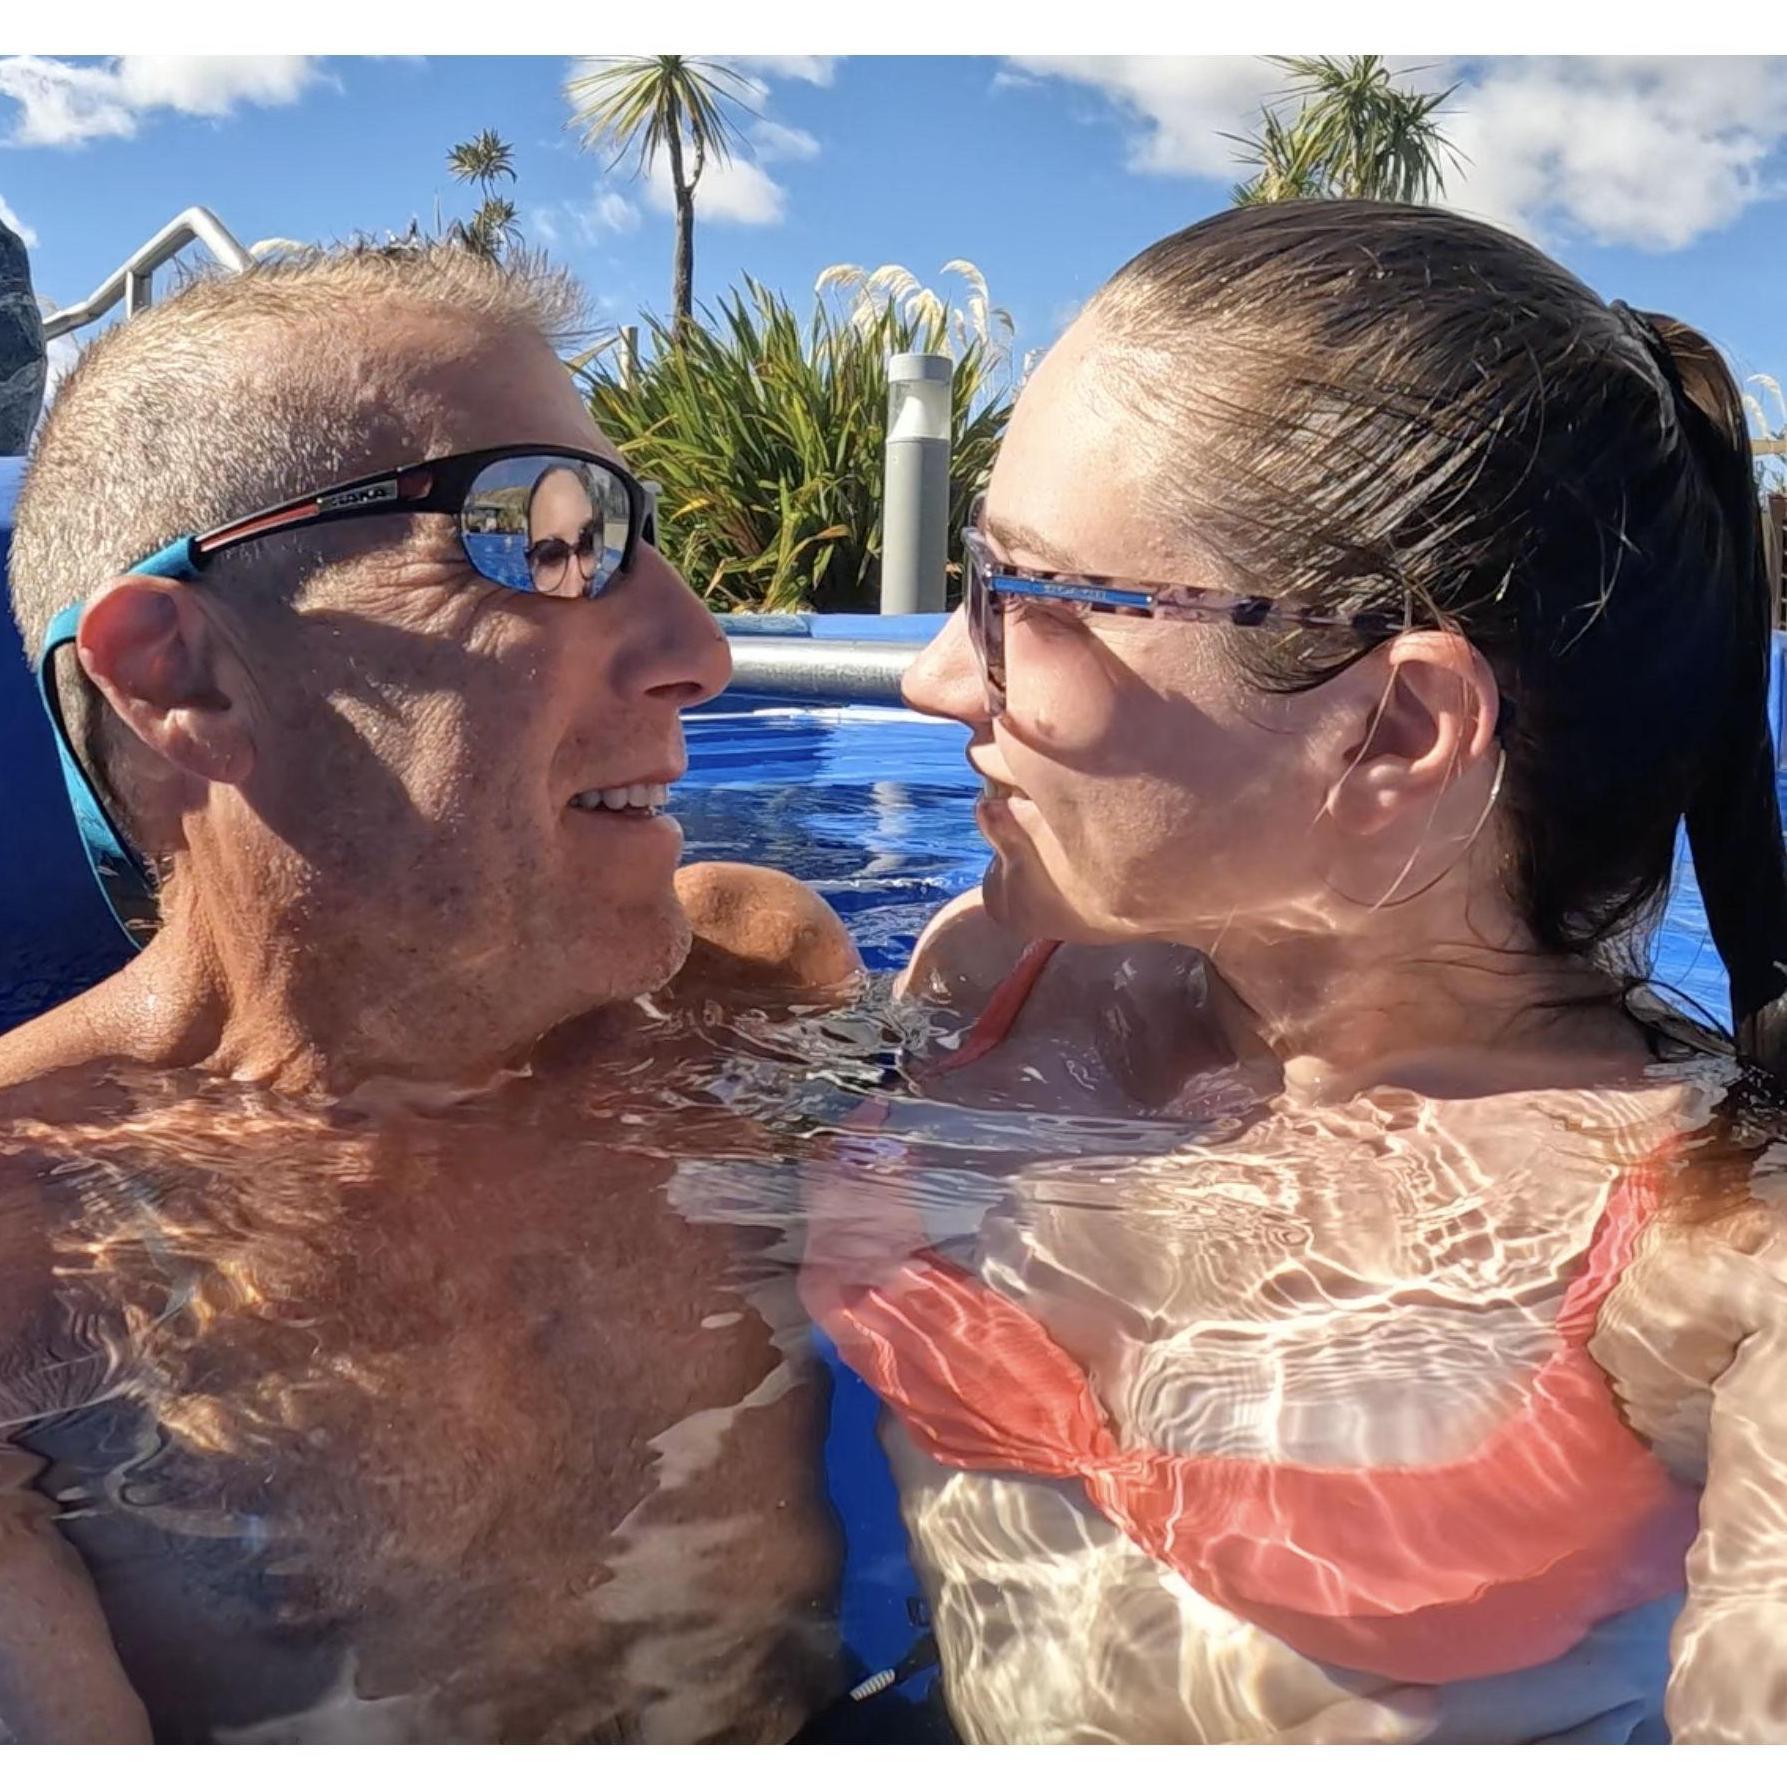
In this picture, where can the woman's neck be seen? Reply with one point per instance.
(1404, 998)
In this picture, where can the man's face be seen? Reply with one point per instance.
(423, 736)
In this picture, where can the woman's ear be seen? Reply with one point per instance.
(148, 646)
(1422, 716)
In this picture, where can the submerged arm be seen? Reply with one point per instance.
(1729, 1682)
(60, 1678)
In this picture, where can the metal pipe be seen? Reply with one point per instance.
(915, 506)
(837, 670)
(131, 282)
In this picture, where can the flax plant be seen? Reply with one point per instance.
(769, 440)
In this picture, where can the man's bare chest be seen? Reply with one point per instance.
(438, 1419)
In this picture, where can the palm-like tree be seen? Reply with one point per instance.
(680, 106)
(484, 160)
(491, 229)
(1356, 135)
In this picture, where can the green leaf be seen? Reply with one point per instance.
(768, 436)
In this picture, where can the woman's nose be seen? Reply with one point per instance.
(945, 679)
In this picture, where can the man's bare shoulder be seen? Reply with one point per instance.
(757, 931)
(49, 1052)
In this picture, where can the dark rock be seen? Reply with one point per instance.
(23, 362)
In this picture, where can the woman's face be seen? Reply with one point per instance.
(564, 533)
(1139, 787)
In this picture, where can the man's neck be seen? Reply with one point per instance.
(262, 1007)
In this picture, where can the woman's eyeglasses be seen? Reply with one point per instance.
(549, 559)
(990, 587)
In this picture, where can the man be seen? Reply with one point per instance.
(359, 1377)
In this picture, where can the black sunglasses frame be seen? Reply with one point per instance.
(429, 487)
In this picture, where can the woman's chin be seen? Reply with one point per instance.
(1021, 899)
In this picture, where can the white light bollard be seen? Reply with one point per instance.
(915, 503)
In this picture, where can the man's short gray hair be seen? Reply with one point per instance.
(187, 415)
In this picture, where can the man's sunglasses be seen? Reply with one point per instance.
(991, 587)
(496, 495)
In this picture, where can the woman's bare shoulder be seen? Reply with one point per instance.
(960, 956)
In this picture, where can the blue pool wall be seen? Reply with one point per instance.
(56, 935)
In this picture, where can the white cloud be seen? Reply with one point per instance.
(1178, 105)
(819, 70)
(782, 142)
(1629, 151)
(62, 102)
(614, 213)
(728, 192)
(607, 213)
(1642, 153)
(17, 225)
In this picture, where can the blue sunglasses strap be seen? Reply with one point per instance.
(177, 561)
(114, 864)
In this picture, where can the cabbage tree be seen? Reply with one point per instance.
(680, 107)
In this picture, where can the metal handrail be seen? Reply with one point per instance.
(132, 281)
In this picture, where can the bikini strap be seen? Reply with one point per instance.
(1636, 1197)
(994, 1023)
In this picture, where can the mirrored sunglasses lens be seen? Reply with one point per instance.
(553, 525)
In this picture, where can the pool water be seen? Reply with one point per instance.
(874, 808)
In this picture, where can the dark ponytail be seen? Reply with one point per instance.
(1734, 820)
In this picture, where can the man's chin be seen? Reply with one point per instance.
(656, 944)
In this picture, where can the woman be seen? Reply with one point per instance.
(565, 526)
(1387, 1398)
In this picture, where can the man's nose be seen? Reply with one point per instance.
(674, 649)
(945, 679)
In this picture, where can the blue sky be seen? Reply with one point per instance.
(1661, 182)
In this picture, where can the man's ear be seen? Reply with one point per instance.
(149, 647)
(1423, 715)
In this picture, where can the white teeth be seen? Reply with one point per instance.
(648, 795)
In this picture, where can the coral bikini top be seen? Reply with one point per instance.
(1499, 1560)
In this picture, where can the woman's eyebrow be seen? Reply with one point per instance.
(1013, 536)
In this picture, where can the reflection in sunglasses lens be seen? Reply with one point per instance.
(525, 518)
